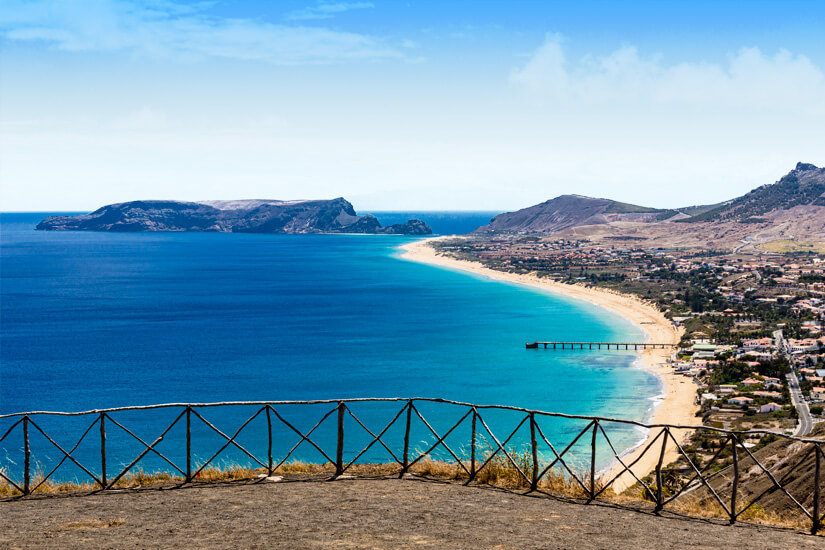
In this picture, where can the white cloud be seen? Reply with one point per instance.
(170, 30)
(749, 80)
(326, 10)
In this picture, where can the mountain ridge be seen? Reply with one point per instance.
(793, 206)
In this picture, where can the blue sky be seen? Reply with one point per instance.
(405, 105)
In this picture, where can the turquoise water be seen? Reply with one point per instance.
(93, 320)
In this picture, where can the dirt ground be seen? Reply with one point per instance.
(358, 513)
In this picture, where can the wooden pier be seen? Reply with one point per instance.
(598, 345)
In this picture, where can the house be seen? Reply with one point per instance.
(751, 382)
(743, 400)
(770, 407)
(708, 397)
(817, 393)
(704, 348)
(770, 382)
(803, 345)
(759, 344)
(771, 394)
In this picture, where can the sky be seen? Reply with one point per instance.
(426, 105)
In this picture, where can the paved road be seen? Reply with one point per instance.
(806, 423)
(378, 513)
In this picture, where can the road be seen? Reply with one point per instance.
(806, 423)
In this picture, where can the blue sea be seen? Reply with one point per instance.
(93, 320)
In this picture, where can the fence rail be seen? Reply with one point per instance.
(712, 481)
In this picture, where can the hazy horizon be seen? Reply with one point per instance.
(461, 107)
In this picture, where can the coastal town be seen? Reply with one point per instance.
(751, 323)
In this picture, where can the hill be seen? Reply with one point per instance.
(569, 211)
(788, 460)
(242, 216)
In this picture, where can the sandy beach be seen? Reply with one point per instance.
(679, 393)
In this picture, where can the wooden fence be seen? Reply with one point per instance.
(717, 481)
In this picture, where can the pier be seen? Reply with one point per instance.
(598, 345)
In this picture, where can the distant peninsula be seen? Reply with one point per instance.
(239, 216)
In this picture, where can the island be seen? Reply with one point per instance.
(235, 216)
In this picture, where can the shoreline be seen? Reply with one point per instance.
(675, 405)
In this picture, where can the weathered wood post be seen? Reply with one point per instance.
(103, 450)
(593, 461)
(660, 503)
(269, 439)
(735, 484)
(816, 513)
(406, 464)
(188, 444)
(534, 483)
(339, 453)
(473, 446)
(26, 456)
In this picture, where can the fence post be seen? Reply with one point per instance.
(103, 450)
(269, 444)
(407, 440)
(659, 495)
(26, 456)
(816, 515)
(735, 484)
(535, 478)
(473, 447)
(339, 454)
(188, 444)
(593, 462)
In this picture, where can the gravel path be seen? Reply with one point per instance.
(358, 513)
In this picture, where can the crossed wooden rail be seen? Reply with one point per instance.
(592, 484)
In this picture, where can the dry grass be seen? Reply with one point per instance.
(709, 508)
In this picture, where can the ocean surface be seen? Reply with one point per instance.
(94, 320)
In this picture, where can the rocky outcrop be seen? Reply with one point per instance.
(252, 216)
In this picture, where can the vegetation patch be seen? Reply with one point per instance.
(788, 246)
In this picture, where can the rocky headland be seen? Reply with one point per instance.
(242, 216)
